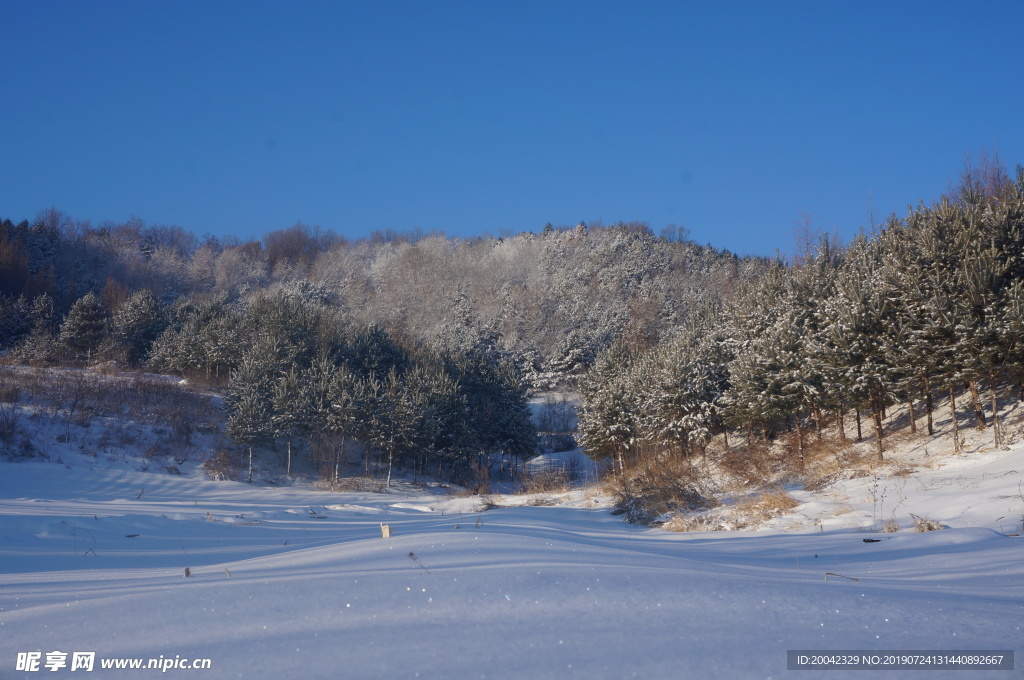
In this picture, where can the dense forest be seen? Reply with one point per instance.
(929, 308)
(422, 348)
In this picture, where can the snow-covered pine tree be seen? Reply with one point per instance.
(15, 319)
(999, 264)
(292, 415)
(682, 386)
(220, 344)
(40, 346)
(388, 417)
(248, 403)
(85, 327)
(760, 348)
(137, 323)
(860, 310)
(942, 237)
(609, 408)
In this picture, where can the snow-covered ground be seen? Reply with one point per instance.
(295, 582)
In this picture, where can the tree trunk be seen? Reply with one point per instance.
(876, 415)
(799, 440)
(338, 453)
(391, 459)
(860, 434)
(979, 412)
(250, 465)
(817, 421)
(929, 407)
(956, 426)
(840, 417)
(913, 417)
(288, 467)
(997, 425)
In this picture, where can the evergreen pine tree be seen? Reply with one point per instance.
(137, 323)
(248, 404)
(85, 327)
(292, 414)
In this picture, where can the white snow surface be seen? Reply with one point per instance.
(297, 582)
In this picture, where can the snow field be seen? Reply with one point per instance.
(514, 592)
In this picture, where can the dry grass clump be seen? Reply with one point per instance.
(456, 491)
(77, 396)
(683, 523)
(479, 481)
(823, 473)
(555, 480)
(747, 465)
(9, 393)
(890, 527)
(219, 466)
(657, 487)
(362, 483)
(748, 512)
(769, 503)
(922, 524)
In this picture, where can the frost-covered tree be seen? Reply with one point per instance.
(293, 414)
(137, 323)
(609, 408)
(389, 417)
(40, 346)
(249, 404)
(85, 327)
(15, 319)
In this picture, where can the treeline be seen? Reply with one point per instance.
(930, 306)
(440, 407)
(554, 299)
(420, 349)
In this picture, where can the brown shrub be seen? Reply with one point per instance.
(545, 481)
(922, 524)
(656, 486)
(219, 466)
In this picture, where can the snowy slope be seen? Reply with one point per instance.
(293, 582)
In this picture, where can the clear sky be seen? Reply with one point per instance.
(729, 118)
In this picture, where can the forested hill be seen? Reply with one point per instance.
(553, 299)
(930, 308)
(424, 348)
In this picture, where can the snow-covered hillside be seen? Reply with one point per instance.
(294, 582)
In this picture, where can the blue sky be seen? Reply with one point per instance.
(730, 118)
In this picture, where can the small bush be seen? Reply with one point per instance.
(219, 466)
(747, 465)
(761, 507)
(545, 481)
(480, 483)
(656, 487)
(9, 420)
(922, 524)
(9, 394)
(748, 512)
